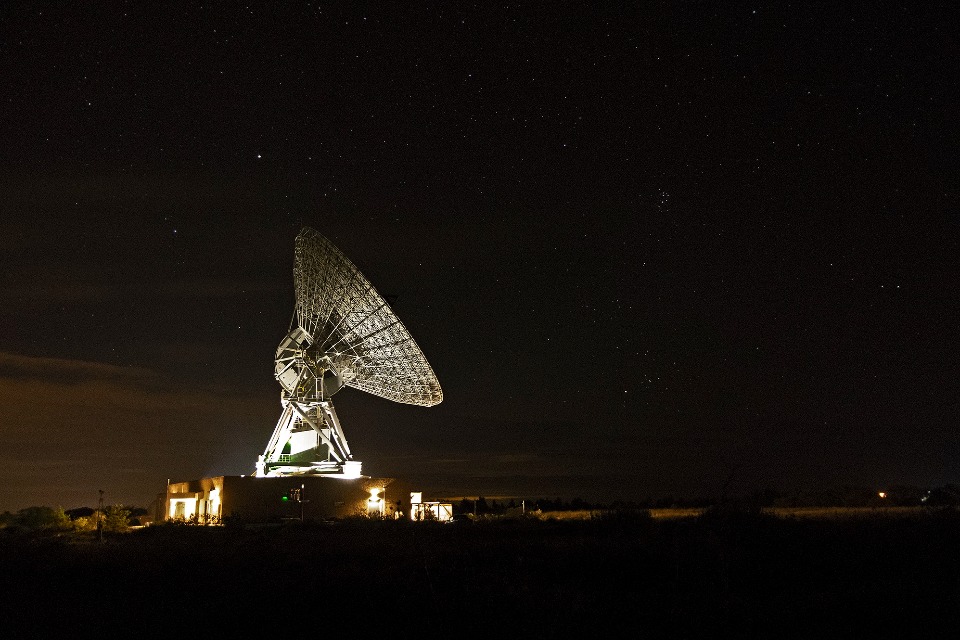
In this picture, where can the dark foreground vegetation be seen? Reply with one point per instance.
(725, 573)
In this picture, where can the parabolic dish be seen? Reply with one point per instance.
(348, 322)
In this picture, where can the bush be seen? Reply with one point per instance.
(85, 523)
(116, 519)
(34, 518)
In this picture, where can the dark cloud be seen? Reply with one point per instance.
(89, 425)
(18, 366)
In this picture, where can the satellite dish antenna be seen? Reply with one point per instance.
(343, 334)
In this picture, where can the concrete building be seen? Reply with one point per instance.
(285, 498)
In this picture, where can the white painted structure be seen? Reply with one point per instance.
(343, 334)
(421, 511)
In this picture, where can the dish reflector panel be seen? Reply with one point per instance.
(354, 329)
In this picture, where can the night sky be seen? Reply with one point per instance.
(653, 249)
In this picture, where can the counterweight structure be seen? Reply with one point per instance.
(343, 334)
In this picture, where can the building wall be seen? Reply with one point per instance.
(252, 499)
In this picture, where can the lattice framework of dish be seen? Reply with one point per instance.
(352, 324)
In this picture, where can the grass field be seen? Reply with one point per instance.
(780, 512)
(797, 574)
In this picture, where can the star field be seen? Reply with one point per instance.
(652, 247)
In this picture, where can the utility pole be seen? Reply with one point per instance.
(302, 487)
(100, 517)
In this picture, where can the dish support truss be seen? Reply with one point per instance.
(307, 440)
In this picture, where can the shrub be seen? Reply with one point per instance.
(116, 518)
(34, 518)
